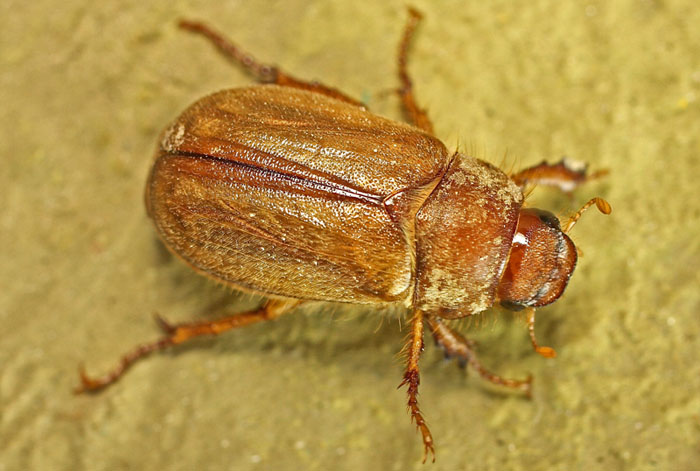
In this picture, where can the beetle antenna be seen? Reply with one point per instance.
(602, 205)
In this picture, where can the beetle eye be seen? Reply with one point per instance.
(548, 218)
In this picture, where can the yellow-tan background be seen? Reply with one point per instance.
(85, 88)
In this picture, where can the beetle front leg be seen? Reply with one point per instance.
(566, 175)
(176, 334)
(411, 377)
(264, 73)
(456, 346)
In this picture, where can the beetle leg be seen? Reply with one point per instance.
(264, 73)
(411, 377)
(417, 116)
(456, 346)
(176, 334)
(566, 175)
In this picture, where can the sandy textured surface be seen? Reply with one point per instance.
(86, 87)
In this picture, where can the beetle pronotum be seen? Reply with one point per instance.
(296, 191)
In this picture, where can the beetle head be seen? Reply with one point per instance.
(542, 259)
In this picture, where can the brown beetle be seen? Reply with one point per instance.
(296, 191)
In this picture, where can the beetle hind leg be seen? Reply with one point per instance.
(175, 334)
(417, 116)
(456, 346)
(263, 73)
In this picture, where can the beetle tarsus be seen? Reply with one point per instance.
(176, 334)
(417, 116)
(87, 383)
(92, 384)
(264, 73)
(411, 378)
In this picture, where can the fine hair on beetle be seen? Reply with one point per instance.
(297, 192)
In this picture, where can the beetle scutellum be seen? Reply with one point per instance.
(296, 191)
